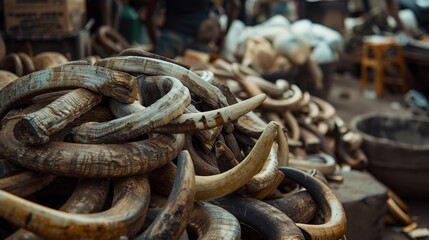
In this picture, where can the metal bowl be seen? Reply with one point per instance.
(398, 151)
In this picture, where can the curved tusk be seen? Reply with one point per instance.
(208, 221)
(118, 85)
(130, 126)
(283, 152)
(321, 161)
(204, 120)
(360, 162)
(250, 124)
(326, 109)
(150, 66)
(130, 203)
(266, 219)
(264, 177)
(142, 53)
(293, 125)
(91, 160)
(172, 220)
(267, 87)
(263, 193)
(25, 183)
(215, 186)
(299, 206)
(12, 63)
(89, 196)
(335, 217)
(231, 141)
(36, 127)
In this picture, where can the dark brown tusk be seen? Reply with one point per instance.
(208, 221)
(25, 183)
(224, 156)
(7, 168)
(172, 220)
(266, 219)
(323, 142)
(124, 218)
(299, 206)
(342, 154)
(232, 143)
(202, 167)
(334, 214)
(89, 196)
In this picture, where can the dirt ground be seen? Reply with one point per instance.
(349, 101)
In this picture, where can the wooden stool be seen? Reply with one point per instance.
(379, 56)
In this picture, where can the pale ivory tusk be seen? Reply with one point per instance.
(293, 125)
(89, 196)
(215, 186)
(36, 127)
(209, 221)
(143, 53)
(150, 66)
(334, 214)
(250, 124)
(204, 120)
(127, 127)
(327, 111)
(124, 218)
(263, 193)
(91, 160)
(283, 151)
(173, 218)
(118, 85)
(269, 103)
(265, 176)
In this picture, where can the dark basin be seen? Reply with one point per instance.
(398, 151)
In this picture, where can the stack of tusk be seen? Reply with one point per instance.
(146, 148)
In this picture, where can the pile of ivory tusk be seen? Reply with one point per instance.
(137, 146)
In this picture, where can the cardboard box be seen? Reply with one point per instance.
(24, 17)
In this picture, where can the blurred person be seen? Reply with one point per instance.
(188, 24)
(374, 14)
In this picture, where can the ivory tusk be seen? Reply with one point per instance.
(321, 161)
(142, 53)
(201, 167)
(36, 127)
(326, 109)
(299, 206)
(27, 63)
(124, 218)
(263, 193)
(264, 177)
(6, 77)
(266, 219)
(215, 186)
(89, 196)
(127, 127)
(91, 160)
(334, 215)
(118, 85)
(25, 183)
(208, 221)
(150, 66)
(210, 119)
(293, 125)
(172, 220)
